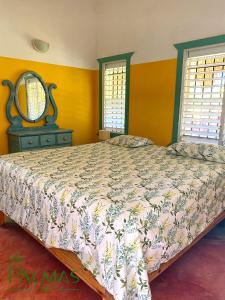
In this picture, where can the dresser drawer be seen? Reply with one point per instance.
(64, 138)
(47, 140)
(29, 141)
(38, 138)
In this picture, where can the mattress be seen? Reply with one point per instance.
(123, 211)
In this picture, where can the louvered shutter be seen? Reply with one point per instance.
(114, 95)
(203, 105)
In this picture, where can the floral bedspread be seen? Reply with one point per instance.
(123, 211)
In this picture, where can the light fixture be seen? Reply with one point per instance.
(103, 135)
(40, 45)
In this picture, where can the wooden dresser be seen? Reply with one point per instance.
(28, 140)
(34, 102)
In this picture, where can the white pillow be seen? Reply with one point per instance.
(208, 152)
(129, 141)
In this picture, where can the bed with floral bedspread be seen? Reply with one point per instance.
(123, 211)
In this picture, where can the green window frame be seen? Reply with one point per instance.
(102, 61)
(181, 47)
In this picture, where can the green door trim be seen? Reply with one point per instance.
(126, 57)
(181, 47)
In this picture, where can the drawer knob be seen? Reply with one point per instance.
(48, 140)
(30, 142)
(64, 138)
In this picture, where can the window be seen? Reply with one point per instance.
(114, 90)
(200, 95)
(202, 108)
(114, 93)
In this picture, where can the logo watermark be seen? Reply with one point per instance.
(23, 279)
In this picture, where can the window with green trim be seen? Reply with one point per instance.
(114, 80)
(199, 114)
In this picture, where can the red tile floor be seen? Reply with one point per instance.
(25, 267)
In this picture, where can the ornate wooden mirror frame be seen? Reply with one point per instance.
(16, 120)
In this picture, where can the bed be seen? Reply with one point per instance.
(117, 216)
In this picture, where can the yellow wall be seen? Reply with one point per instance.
(74, 96)
(152, 93)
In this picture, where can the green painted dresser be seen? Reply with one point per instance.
(28, 140)
(34, 102)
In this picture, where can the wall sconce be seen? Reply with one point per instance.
(40, 45)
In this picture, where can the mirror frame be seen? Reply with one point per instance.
(16, 120)
(17, 97)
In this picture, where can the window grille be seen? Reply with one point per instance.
(114, 96)
(202, 111)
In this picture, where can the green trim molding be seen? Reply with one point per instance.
(126, 57)
(181, 47)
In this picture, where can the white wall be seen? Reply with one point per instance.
(68, 25)
(79, 31)
(151, 27)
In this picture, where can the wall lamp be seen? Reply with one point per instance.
(40, 45)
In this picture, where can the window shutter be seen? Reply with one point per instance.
(114, 95)
(203, 105)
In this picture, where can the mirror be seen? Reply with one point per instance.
(31, 97)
